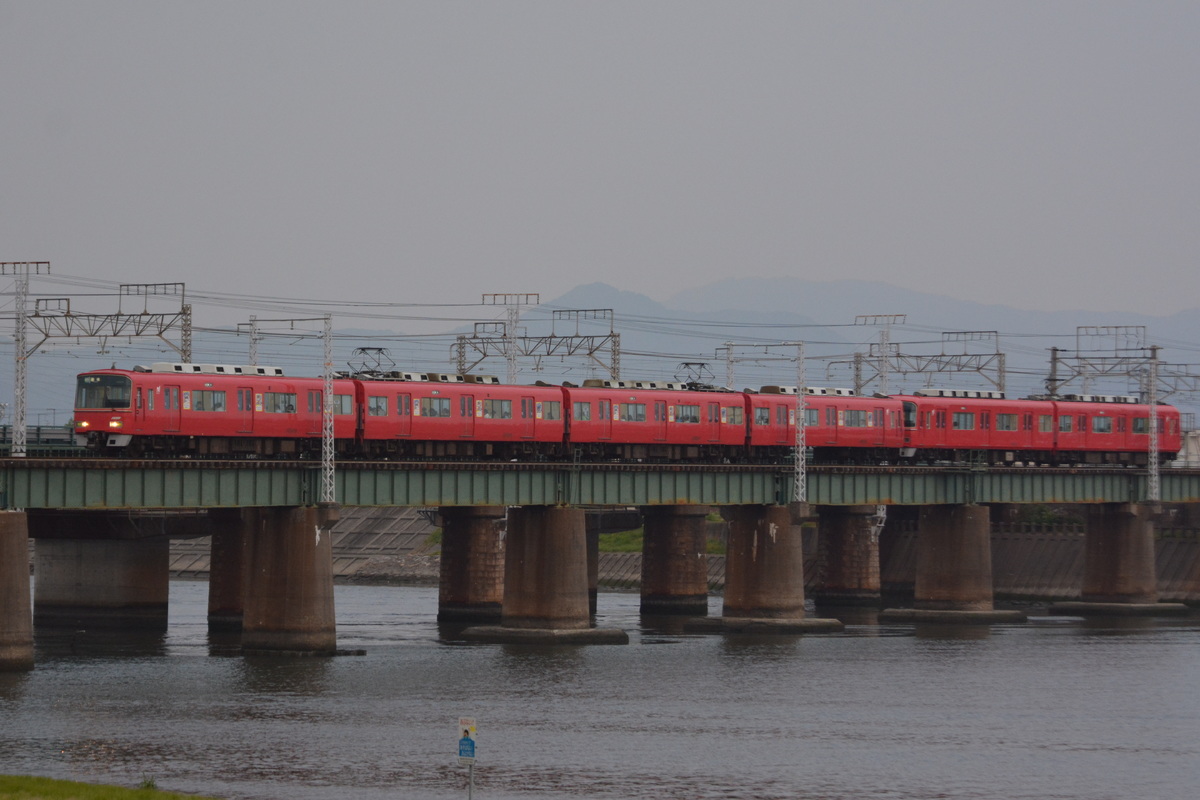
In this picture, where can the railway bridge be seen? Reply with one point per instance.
(516, 554)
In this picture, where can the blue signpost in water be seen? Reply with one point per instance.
(466, 751)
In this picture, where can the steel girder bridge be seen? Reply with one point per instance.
(104, 484)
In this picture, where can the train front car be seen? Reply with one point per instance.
(207, 411)
(104, 413)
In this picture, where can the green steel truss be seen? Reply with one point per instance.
(109, 484)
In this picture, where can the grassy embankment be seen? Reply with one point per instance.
(21, 787)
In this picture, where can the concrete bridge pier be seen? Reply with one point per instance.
(1119, 576)
(545, 582)
(471, 588)
(16, 619)
(228, 529)
(289, 584)
(954, 569)
(107, 569)
(764, 576)
(674, 560)
(848, 552)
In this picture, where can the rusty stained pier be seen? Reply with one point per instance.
(102, 527)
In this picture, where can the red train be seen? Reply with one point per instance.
(194, 410)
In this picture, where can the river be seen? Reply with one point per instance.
(1057, 708)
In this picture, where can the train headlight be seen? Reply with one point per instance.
(116, 423)
(83, 424)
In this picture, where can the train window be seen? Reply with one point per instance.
(910, 414)
(1141, 424)
(812, 416)
(1102, 425)
(497, 409)
(279, 402)
(404, 404)
(582, 412)
(1045, 423)
(377, 406)
(343, 404)
(762, 416)
(1006, 422)
(103, 391)
(735, 416)
(688, 414)
(551, 409)
(605, 406)
(1120, 424)
(781, 415)
(831, 417)
(855, 418)
(208, 400)
(1064, 424)
(150, 400)
(433, 407)
(962, 421)
(636, 412)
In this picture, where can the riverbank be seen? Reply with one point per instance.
(25, 787)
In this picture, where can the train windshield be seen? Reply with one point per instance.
(910, 414)
(103, 391)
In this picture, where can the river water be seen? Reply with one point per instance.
(1055, 708)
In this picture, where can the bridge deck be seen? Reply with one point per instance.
(124, 484)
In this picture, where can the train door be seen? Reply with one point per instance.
(404, 409)
(660, 421)
(527, 419)
(604, 410)
(466, 411)
(171, 400)
(714, 422)
(245, 410)
(139, 408)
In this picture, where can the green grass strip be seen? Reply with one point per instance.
(22, 787)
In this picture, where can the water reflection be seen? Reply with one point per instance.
(1117, 626)
(55, 642)
(664, 624)
(287, 675)
(12, 685)
(224, 643)
(959, 632)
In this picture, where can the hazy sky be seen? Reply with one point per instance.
(1042, 155)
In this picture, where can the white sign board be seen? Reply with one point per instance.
(466, 740)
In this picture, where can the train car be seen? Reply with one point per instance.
(652, 421)
(1108, 429)
(963, 425)
(983, 426)
(839, 426)
(209, 410)
(458, 416)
